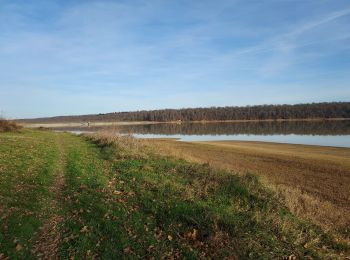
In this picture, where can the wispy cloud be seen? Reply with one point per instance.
(310, 25)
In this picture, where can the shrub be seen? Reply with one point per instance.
(8, 126)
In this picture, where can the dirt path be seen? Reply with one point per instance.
(47, 242)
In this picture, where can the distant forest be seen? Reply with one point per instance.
(261, 112)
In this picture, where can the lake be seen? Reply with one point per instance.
(325, 133)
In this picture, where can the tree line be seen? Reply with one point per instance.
(258, 112)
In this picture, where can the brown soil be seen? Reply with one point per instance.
(314, 180)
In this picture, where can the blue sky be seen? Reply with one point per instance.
(77, 57)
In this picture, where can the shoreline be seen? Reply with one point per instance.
(260, 143)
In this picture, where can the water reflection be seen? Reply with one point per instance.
(254, 128)
(329, 133)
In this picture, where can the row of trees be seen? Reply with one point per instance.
(261, 112)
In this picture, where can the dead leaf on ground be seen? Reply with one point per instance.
(85, 229)
(292, 257)
(19, 247)
(193, 235)
(127, 250)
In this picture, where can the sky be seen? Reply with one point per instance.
(68, 57)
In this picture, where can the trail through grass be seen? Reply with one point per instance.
(47, 241)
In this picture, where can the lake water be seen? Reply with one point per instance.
(324, 133)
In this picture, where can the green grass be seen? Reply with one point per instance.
(118, 203)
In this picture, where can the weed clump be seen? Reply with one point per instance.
(8, 126)
(113, 144)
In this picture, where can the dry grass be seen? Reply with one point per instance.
(313, 181)
(8, 126)
(124, 143)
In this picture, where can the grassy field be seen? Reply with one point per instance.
(66, 196)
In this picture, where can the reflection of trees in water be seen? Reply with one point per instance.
(256, 128)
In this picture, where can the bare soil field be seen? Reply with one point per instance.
(314, 180)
